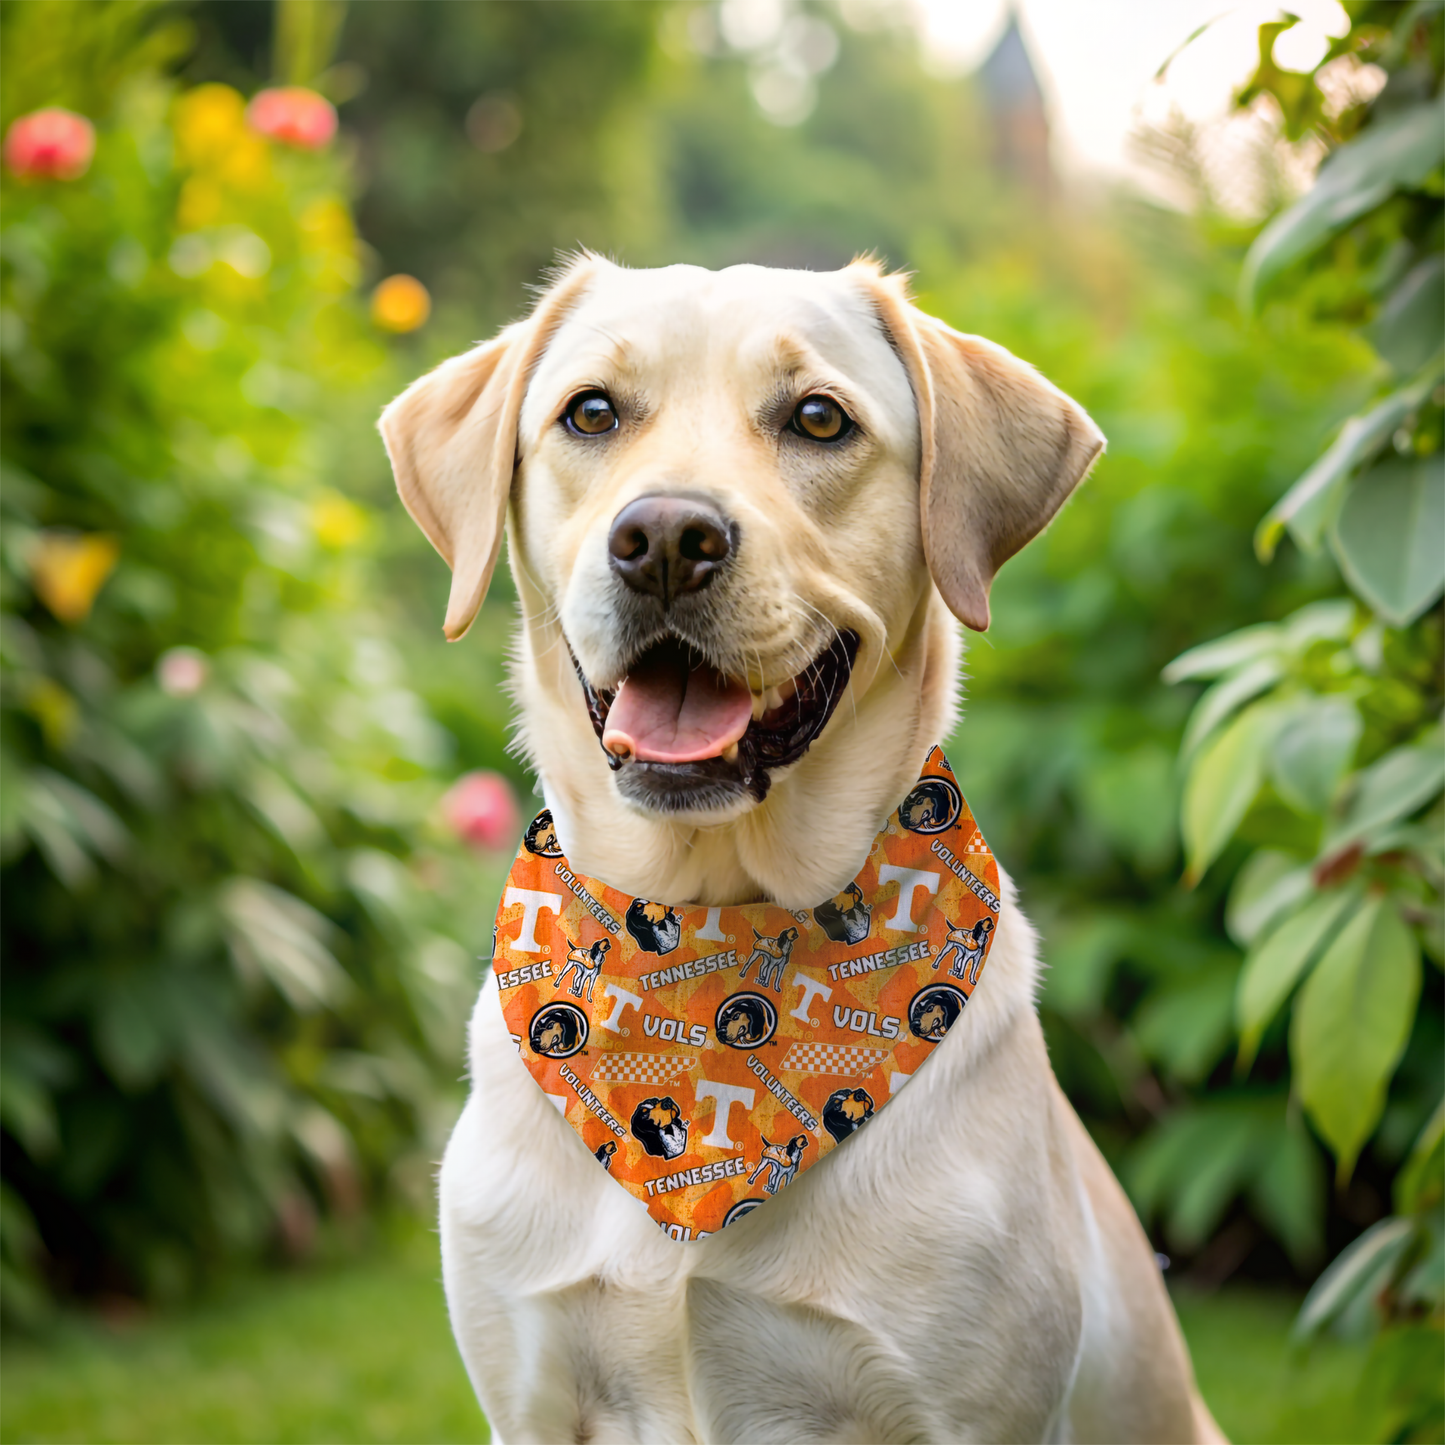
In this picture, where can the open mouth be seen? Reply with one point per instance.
(685, 735)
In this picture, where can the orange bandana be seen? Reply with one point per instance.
(706, 1055)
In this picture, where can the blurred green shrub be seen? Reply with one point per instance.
(230, 977)
(1319, 744)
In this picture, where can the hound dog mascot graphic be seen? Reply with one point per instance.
(658, 1125)
(965, 947)
(846, 918)
(780, 1163)
(541, 836)
(653, 926)
(934, 1009)
(557, 1031)
(605, 1153)
(745, 1021)
(588, 963)
(847, 1111)
(770, 954)
(932, 807)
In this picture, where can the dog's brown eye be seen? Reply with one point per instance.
(591, 414)
(822, 419)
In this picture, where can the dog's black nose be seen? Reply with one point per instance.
(665, 546)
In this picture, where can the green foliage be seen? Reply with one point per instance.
(229, 984)
(1327, 752)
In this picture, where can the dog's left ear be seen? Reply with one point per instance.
(1000, 448)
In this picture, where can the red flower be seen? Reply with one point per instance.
(295, 115)
(53, 143)
(481, 811)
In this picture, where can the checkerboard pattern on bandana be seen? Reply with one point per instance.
(706, 1056)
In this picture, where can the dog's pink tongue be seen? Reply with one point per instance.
(667, 712)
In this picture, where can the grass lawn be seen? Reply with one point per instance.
(1260, 1390)
(364, 1354)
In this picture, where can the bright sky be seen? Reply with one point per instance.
(1097, 58)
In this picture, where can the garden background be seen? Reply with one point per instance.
(255, 812)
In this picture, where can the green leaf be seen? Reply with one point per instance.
(1393, 787)
(1421, 1182)
(1313, 749)
(1407, 332)
(1227, 697)
(28, 1112)
(1370, 1258)
(1228, 1156)
(1280, 960)
(1389, 536)
(1332, 620)
(1288, 1194)
(1224, 654)
(1270, 883)
(1223, 781)
(1397, 151)
(1350, 1026)
(273, 934)
(133, 1028)
(1306, 509)
(1194, 1162)
(1185, 1028)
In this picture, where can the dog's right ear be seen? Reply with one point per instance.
(452, 441)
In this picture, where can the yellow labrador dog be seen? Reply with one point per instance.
(712, 482)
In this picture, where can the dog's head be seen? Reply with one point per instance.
(728, 493)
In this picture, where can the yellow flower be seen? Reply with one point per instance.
(247, 165)
(54, 709)
(326, 225)
(330, 241)
(400, 303)
(209, 121)
(336, 521)
(200, 204)
(67, 571)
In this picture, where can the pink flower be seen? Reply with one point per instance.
(295, 115)
(182, 671)
(481, 810)
(53, 144)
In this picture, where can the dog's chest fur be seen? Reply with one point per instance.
(872, 1300)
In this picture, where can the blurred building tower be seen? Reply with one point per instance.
(1015, 102)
